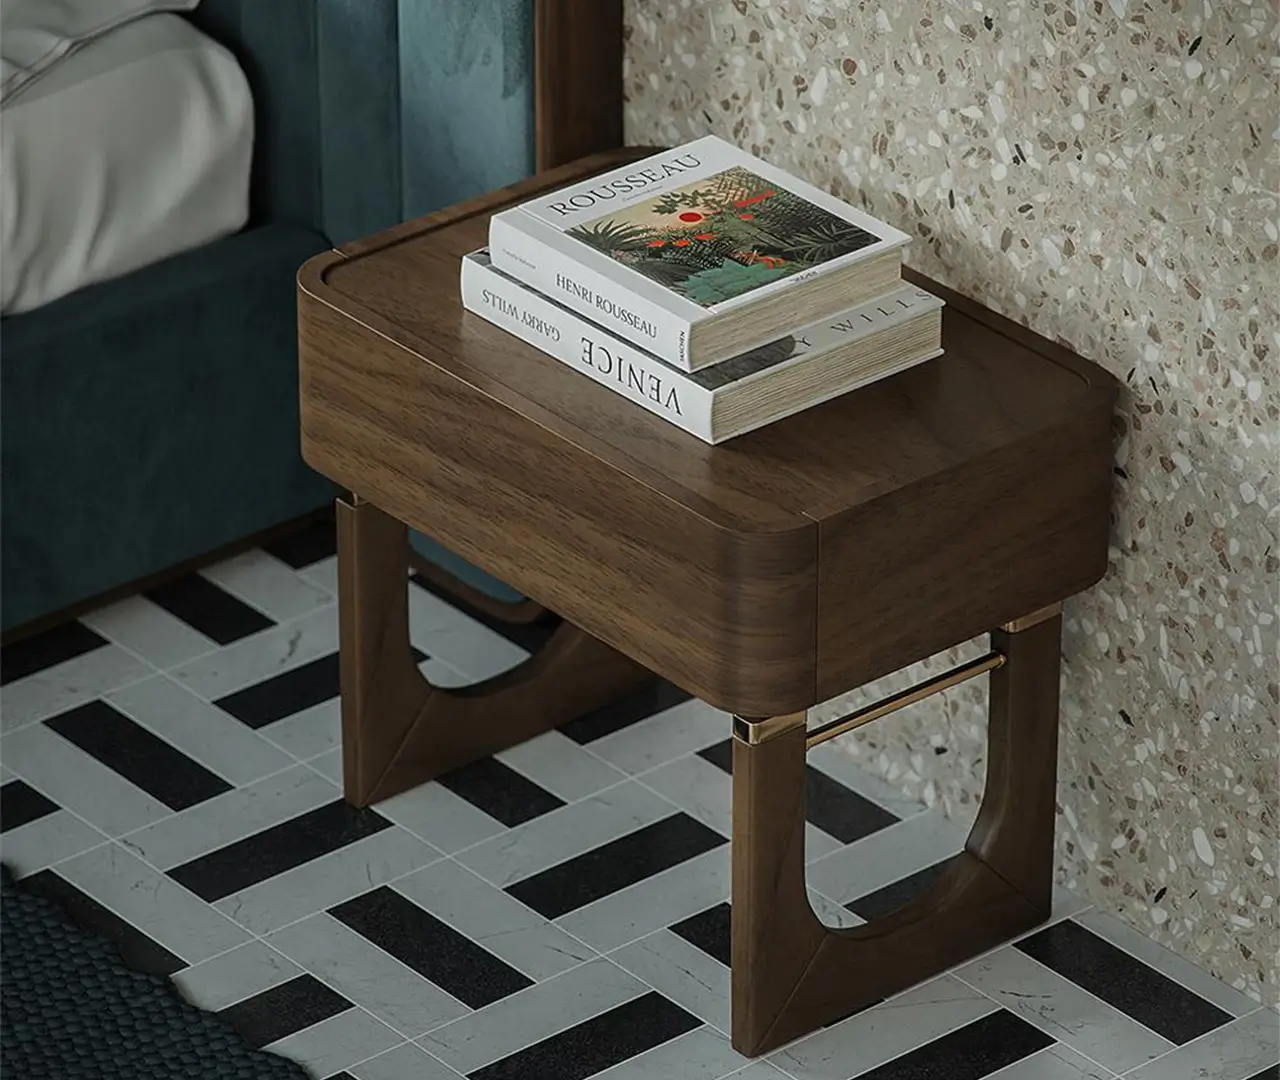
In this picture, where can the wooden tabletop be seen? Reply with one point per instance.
(765, 574)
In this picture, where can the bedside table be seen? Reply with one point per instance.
(766, 575)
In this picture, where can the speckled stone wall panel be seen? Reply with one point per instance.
(1105, 172)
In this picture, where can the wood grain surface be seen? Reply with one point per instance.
(577, 79)
(765, 574)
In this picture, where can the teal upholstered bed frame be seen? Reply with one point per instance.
(373, 111)
(149, 420)
(417, 104)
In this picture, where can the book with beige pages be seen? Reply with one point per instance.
(827, 358)
(698, 254)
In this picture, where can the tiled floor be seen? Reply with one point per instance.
(555, 913)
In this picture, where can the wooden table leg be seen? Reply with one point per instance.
(398, 730)
(792, 974)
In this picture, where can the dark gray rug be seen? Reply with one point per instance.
(73, 1011)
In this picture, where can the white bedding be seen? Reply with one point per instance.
(130, 149)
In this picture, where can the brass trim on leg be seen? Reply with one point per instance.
(753, 732)
(903, 698)
(1026, 622)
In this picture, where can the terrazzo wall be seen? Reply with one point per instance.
(1106, 172)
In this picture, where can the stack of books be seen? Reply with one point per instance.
(707, 286)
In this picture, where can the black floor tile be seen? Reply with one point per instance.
(144, 759)
(277, 849)
(138, 950)
(709, 931)
(896, 894)
(596, 1044)
(597, 873)
(21, 804)
(500, 791)
(290, 692)
(273, 1014)
(838, 811)
(41, 651)
(214, 612)
(436, 951)
(1123, 981)
(620, 714)
(307, 546)
(973, 1052)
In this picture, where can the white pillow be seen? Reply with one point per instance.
(36, 34)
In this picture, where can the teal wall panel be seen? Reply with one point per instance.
(466, 98)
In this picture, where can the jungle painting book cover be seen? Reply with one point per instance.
(706, 225)
(721, 237)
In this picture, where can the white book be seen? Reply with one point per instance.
(699, 253)
(819, 362)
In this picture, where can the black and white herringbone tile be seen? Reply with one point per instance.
(557, 912)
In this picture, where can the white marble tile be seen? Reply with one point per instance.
(682, 972)
(231, 816)
(681, 729)
(39, 844)
(68, 685)
(218, 741)
(470, 647)
(147, 629)
(309, 733)
(557, 763)
(406, 1062)
(700, 789)
(363, 973)
(329, 765)
(830, 913)
(531, 1015)
(705, 792)
(1053, 1063)
(1060, 1008)
(443, 819)
(328, 880)
(241, 973)
(323, 574)
(1236, 1051)
(333, 1044)
(701, 1054)
(1170, 964)
(157, 906)
(886, 856)
(488, 916)
(79, 782)
(884, 1032)
(564, 833)
(439, 672)
(266, 583)
(261, 656)
(840, 766)
(760, 1070)
(657, 901)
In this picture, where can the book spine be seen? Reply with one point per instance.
(587, 349)
(590, 293)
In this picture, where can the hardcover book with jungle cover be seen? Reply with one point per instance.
(715, 239)
(699, 253)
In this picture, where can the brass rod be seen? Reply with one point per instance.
(903, 698)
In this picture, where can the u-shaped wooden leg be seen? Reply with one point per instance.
(398, 730)
(792, 974)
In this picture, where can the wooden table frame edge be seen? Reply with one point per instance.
(790, 973)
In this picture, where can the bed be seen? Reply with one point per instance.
(148, 418)
(126, 150)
